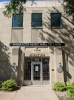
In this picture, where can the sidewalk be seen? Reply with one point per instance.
(7, 95)
(30, 93)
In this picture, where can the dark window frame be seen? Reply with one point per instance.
(27, 69)
(35, 26)
(58, 25)
(15, 19)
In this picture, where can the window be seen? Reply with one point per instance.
(27, 69)
(17, 20)
(45, 68)
(36, 20)
(56, 20)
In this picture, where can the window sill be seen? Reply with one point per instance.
(56, 27)
(17, 27)
(37, 27)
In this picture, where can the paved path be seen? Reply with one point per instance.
(7, 95)
(30, 93)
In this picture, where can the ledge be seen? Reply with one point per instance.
(17, 27)
(56, 27)
(37, 27)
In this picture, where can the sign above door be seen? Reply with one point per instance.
(37, 44)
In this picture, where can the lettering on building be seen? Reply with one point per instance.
(37, 55)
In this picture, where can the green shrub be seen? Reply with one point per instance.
(9, 85)
(0, 85)
(59, 86)
(70, 88)
(70, 98)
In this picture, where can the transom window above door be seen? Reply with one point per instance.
(17, 20)
(36, 20)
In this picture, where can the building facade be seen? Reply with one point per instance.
(34, 64)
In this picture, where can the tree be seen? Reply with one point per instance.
(69, 6)
(14, 6)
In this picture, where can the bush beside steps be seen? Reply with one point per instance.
(8, 85)
(59, 86)
(0, 85)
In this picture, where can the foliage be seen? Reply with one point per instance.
(69, 6)
(70, 88)
(0, 85)
(14, 6)
(59, 86)
(70, 98)
(9, 85)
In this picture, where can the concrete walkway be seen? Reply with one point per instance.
(30, 93)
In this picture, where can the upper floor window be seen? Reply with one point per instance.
(36, 20)
(56, 20)
(17, 20)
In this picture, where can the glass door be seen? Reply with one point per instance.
(46, 74)
(36, 73)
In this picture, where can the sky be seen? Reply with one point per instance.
(4, 0)
(29, 0)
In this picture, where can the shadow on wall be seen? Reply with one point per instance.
(6, 71)
(66, 73)
(57, 35)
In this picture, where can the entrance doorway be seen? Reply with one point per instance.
(36, 73)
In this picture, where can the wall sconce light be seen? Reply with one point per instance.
(14, 67)
(14, 64)
(60, 65)
(59, 69)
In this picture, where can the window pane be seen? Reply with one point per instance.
(36, 20)
(56, 20)
(17, 20)
(45, 67)
(27, 69)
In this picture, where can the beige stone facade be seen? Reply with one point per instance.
(44, 34)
